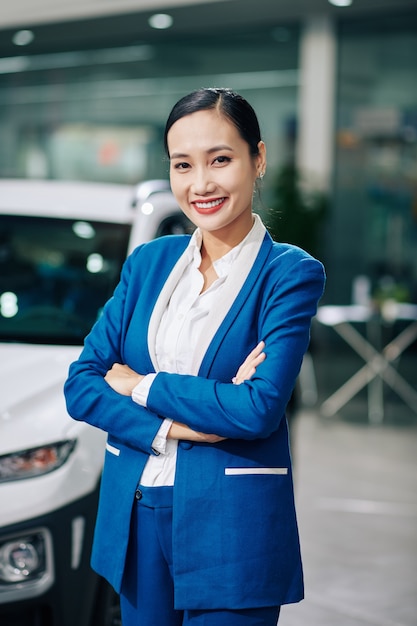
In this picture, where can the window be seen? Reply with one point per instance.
(55, 276)
(374, 222)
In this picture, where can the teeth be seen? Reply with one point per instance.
(208, 205)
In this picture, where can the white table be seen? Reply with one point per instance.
(378, 366)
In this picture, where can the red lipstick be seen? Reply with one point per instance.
(209, 206)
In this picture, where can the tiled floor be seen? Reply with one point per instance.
(356, 491)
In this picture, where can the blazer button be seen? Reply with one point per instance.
(138, 494)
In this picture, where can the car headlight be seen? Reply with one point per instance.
(22, 558)
(35, 461)
(26, 565)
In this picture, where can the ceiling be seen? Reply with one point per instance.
(28, 12)
(65, 25)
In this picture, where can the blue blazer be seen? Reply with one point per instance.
(235, 537)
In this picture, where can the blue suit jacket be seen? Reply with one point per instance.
(235, 538)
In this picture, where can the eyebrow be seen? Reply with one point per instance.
(219, 148)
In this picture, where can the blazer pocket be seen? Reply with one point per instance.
(112, 449)
(245, 471)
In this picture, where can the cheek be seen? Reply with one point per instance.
(176, 186)
(244, 174)
(242, 182)
(180, 194)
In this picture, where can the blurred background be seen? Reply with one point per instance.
(85, 89)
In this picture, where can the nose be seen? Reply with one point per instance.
(202, 183)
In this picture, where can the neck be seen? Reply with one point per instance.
(218, 243)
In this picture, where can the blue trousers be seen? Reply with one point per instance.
(147, 596)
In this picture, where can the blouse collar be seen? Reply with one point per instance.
(223, 265)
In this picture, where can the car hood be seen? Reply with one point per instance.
(32, 404)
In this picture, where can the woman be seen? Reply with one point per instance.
(189, 371)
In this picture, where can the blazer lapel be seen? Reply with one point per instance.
(162, 302)
(248, 264)
(224, 318)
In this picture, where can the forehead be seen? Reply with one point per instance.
(201, 130)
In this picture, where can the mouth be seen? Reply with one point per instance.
(207, 207)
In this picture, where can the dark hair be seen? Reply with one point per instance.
(228, 103)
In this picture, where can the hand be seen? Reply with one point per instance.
(248, 367)
(122, 379)
(183, 432)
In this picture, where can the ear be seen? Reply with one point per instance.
(261, 159)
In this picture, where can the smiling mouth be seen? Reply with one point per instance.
(209, 207)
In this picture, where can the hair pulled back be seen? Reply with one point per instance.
(228, 103)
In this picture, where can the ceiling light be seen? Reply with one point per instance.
(161, 21)
(341, 3)
(23, 37)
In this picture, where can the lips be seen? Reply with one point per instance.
(207, 207)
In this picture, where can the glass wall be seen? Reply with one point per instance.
(99, 114)
(373, 228)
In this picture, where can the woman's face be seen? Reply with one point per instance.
(213, 174)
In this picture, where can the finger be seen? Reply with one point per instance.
(256, 351)
(259, 359)
(116, 367)
(250, 363)
(245, 375)
(248, 367)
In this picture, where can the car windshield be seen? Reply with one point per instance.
(55, 276)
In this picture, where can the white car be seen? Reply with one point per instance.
(62, 246)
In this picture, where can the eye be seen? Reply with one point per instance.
(222, 160)
(181, 165)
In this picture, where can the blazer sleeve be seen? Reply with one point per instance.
(253, 409)
(89, 398)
